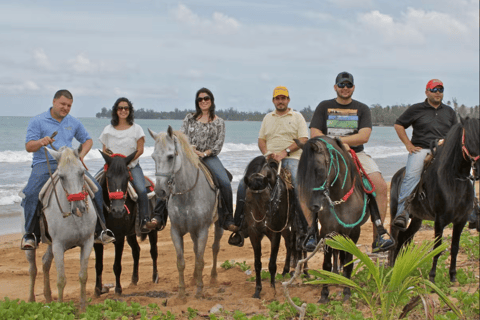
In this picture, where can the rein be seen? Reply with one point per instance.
(273, 202)
(334, 153)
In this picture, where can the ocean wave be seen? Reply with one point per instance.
(381, 152)
(15, 156)
(11, 199)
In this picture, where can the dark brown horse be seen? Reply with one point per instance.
(269, 210)
(120, 214)
(448, 193)
(332, 192)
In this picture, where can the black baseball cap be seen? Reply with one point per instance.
(344, 76)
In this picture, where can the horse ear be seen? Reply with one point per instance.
(315, 147)
(153, 134)
(299, 143)
(55, 154)
(105, 156)
(170, 131)
(130, 157)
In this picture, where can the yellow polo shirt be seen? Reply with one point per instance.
(279, 131)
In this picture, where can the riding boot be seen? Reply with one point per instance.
(237, 237)
(473, 217)
(160, 214)
(400, 222)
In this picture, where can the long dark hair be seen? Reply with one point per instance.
(211, 111)
(115, 119)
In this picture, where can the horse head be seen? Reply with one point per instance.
(117, 177)
(170, 149)
(71, 175)
(471, 143)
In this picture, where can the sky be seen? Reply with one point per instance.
(158, 53)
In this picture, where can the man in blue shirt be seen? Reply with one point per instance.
(39, 132)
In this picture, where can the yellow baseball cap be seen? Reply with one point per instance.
(280, 91)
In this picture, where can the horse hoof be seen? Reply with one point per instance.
(256, 295)
(346, 297)
(324, 300)
(155, 278)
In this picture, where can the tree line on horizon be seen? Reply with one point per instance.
(381, 116)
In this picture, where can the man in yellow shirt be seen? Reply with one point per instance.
(275, 140)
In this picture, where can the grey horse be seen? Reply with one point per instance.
(192, 202)
(74, 230)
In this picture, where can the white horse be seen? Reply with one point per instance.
(74, 230)
(192, 202)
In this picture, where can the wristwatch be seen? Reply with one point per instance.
(204, 154)
(288, 151)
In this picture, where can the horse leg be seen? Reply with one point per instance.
(31, 258)
(133, 243)
(438, 241)
(99, 270)
(58, 253)
(85, 251)
(215, 250)
(457, 231)
(117, 265)
(152, 238)
(256, 242)
(345, 258)
(272, 264)
(327, 265)
(177, 240)
(335, 261)
(405, 237)
(288, 236)
(47, 263)
(199, 245)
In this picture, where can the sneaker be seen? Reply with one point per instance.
(105, 238)
(236, 239)
(381, 244)
(400, 221)
(28, 242)
(310, 244)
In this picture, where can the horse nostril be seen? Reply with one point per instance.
(314, 208)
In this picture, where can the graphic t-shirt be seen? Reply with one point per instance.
(338, 120)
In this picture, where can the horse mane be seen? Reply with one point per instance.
(450, 156)
(254, 166)
(68, 157)
(184, 144)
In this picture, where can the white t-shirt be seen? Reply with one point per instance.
(122, 141)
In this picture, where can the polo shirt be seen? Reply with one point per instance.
(428, 123)
(44, 125)
(279, 131)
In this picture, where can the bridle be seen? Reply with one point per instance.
(274, 201)
(466, 153)
(117, 195)
(171, 176)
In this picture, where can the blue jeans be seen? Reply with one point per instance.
(139, 185)
(290, 164)
(216, 166)
(37, 180)
(413, 173)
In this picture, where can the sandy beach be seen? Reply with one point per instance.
(232, 290)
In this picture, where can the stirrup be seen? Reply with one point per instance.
(109, 233)
(22, 243)
(242, 239)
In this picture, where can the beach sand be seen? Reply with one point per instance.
(232, 290)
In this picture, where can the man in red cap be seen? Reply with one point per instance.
(430, 120)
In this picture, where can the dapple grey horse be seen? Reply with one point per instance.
(75, 230)
(191, 202)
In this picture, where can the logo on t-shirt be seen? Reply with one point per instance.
(68, 128)
(342, 122)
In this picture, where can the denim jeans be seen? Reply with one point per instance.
(413, 174)
(139, 185)
(216, 166)
(290, 164)
(37, 180)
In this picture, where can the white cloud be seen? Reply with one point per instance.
(220, 22)
(352, 3)
(24, 87)
(81, 64)
(434, 21)
(318, 16)
(41, 60)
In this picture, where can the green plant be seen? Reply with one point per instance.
(227, 265)
(192, 313)
(243, 266)
(391, 286)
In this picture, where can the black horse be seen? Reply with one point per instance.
(331, 190)
(447, 195)
(269, 210)
(120, 215)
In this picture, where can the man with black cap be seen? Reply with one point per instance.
(354, 132)
(431, 120)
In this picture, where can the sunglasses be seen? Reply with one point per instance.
(200, 99)
(343, 85)
(123, 108)
(435, 90)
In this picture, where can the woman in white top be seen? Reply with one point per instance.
(123, 136)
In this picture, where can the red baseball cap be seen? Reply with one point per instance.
(434, 83)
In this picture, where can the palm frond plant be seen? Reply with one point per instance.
(392, 286)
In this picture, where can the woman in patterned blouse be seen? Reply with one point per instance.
(206, 132)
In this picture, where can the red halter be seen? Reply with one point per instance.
(465, 150)
(77, 196)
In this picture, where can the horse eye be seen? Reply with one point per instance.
(170, 157)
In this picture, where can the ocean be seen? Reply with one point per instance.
(240, 147)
